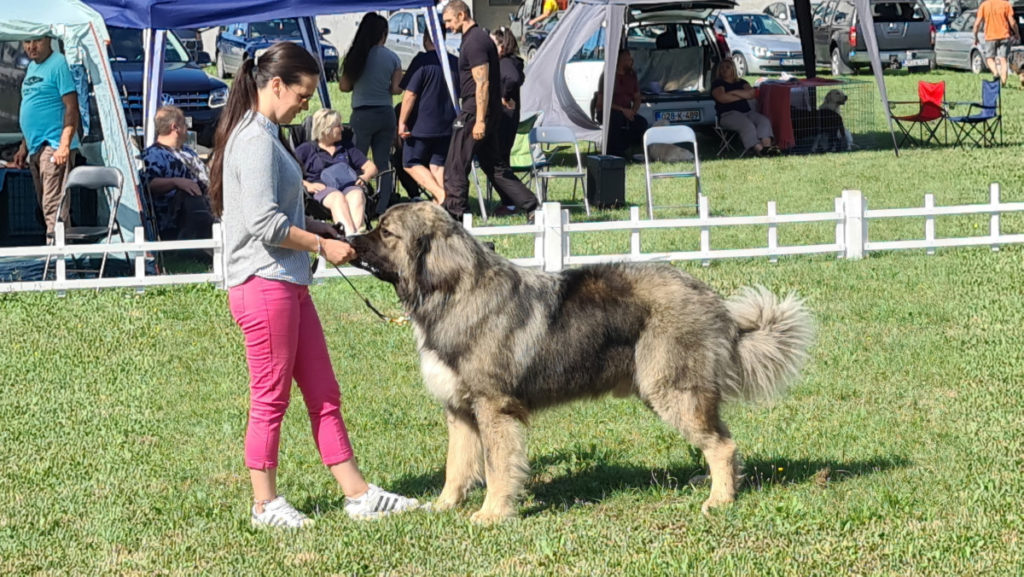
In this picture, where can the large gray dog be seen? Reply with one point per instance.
(498, 341)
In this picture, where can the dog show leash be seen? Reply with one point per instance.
(389, 320)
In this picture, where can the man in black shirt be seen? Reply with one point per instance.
(476, 126)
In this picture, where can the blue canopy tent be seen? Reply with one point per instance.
(155, 17)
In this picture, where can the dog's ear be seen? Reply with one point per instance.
(442, 259)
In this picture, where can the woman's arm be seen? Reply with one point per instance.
(335, 251)
(396, 81)
(344, 84)
(369, 170)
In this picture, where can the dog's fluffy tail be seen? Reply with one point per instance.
(774, 336)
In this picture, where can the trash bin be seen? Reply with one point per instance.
(606, 181)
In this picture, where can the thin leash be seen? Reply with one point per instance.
(366, 301)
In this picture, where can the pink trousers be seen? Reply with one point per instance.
(283, 341)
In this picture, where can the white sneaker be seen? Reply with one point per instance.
(279, 513)
(377, 503)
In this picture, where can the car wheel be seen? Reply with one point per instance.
(531, 53)
(222, 70)
(839, 67)
(741, 64)
(977, 62)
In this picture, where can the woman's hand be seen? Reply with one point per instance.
(336, 251)
(314, 187)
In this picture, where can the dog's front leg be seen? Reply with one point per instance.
(465, 459)
(504, 457)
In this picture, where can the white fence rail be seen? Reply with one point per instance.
(552, 231)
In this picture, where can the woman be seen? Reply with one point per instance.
(512, 78)
(731, 94)
(372, 74)
(334, 174)
(627, 127)
(256, 189)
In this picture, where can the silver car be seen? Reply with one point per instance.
(405, 35)
(760, 44)
(954, 45)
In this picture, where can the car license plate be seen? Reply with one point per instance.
(678, 115)
(791, 62)
(916, 62)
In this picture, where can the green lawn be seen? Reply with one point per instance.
(898, 453)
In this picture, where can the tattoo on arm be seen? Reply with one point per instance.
(480, 77)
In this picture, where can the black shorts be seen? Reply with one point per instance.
(423, 151)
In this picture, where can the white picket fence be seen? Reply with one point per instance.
(552, 231)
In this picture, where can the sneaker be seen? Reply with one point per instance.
(377, 503)
(279, 513)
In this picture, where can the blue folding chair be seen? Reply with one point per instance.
(983, 123)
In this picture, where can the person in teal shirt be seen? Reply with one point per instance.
(49, 121)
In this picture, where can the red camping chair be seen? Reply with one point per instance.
(931, 114)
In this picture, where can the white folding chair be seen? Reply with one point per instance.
(672, 134)
(542, 172)
(97, 178)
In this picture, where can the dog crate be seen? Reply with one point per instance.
(21, 223)
(857, 114)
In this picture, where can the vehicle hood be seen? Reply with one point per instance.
(177, 77)
(268, 41)
(774, 42)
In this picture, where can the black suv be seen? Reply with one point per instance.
(199, 95)
(906, 36)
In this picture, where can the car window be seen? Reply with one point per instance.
(281, 28)
(394, 26)
(844, 14)
(421, 24)
(899, 12)
(406, 24)
(592, 49)
(823, 14)
(754, 24)
(126, 46)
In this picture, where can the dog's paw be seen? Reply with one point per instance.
(714, 502)
(444, 503)
(484, 517)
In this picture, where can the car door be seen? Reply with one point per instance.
(822, 22)
(400, 29)
(962, 42)
(234, 46)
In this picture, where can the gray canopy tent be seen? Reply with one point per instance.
(546, 90)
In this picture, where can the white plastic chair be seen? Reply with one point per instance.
(542, 172)
(110, 182)
(672, 134)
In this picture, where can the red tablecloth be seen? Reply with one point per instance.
(773, 99)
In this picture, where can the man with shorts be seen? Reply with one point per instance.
(1000, 32)
(476, 127)
(425, 120)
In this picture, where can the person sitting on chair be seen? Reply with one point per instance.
(178, 180)
(334, 172)
(731, 94)
(627, 126)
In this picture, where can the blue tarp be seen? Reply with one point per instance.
(168, 14)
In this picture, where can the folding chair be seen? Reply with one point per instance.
(542, 172)
(725, 139)
(985, 126)
(930, 114)
(94, 178)
(672, 134)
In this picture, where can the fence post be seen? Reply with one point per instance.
(140, 259)
(773, 234)
(703, 210)
(553, 241)
(840, 227)
(929, 224)
(634, 235)
(220, 256)
(854, 225)
(993, 219)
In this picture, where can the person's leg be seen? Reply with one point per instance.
(340, 211)
(504, 181)
(267, 312)
(741, 125)
(51, 183)
(425, 178)
(383, 140)
(989, 50)
(194, 217)
(762, 127)
(617, 138)
(356, 200)
(635, 133)
(456, 170)
(415, 154)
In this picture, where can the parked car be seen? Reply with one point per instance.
(534, 37)
(13, 64)
(954, 45)
(200, 96)
(236, 42)
(903, 28)
(784, 12)
(760, 44)
(677, 35)
(405, 36)
(191, 40)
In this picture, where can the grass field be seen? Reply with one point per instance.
(898, 453)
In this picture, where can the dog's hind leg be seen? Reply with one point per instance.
(694, 412)
(465, 459)
(500, 422)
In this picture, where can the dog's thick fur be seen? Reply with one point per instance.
(498, 342)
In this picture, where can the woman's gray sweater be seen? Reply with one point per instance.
(263, 197)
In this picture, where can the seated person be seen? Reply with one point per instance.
(336, 173)
(178, 180)
(627, 127)
(731, 94)
(549, 9)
